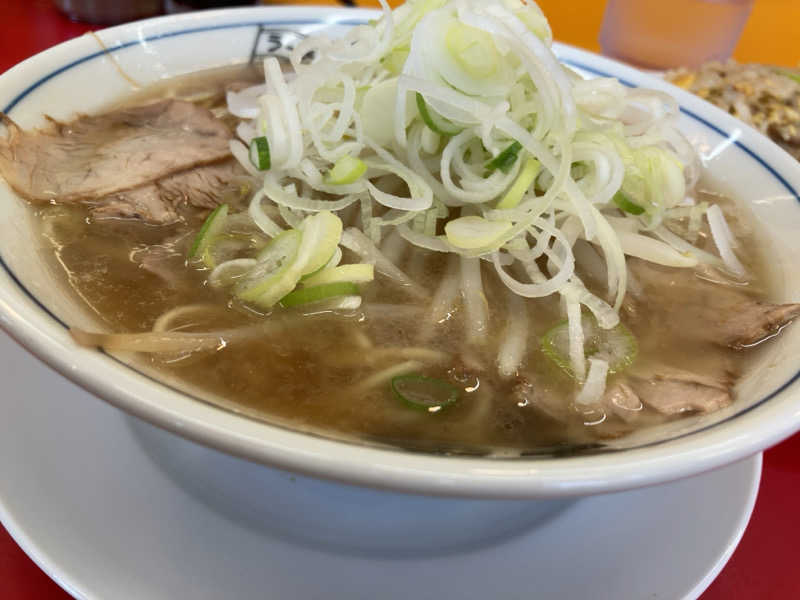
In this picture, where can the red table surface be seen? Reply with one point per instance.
(764, 566)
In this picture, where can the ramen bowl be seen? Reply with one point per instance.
(89, 73)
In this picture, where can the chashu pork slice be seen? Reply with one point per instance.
(724, 313)
(96, 159)
(159, 202)
(673, 391)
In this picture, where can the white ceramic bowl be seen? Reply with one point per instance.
(79, 76)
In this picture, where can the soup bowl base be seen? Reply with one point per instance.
(336, 517)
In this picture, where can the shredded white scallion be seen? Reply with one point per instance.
(444, 102)
(724, 240)
(595, 384)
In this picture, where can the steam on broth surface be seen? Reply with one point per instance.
(528, 285)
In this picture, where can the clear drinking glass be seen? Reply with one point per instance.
(658, 35)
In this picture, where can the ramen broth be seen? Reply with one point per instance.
(316, 376)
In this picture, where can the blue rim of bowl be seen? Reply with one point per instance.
(352, 22)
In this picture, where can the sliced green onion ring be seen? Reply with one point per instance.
(259, 153)
(333, 261)
(346, 170)
(269, 279)
(617, 345)
(223, 247)
(212, 227)
(521, 185)
(473, 49)
(473, 232)
(395, 60)
(229, 272)
(625, 204)
(505, 160)
(321, 235)
(434, 120)
(358, 273)
(425, 393)
(307, 295)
